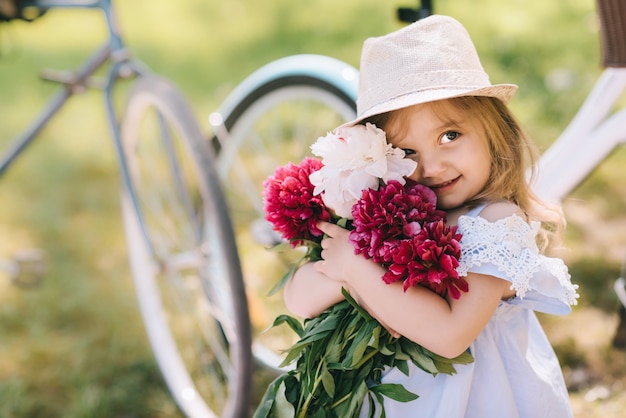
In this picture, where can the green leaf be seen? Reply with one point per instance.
(335, 347)
(343, 222)
(385, 350)
(374, 341)
(394, 391)
(446, 365)
(418, 357)
(351, 398)
(403, 366)
(292, 354)
(313, 247)
(381, 402)
(365, 371)
(326, 325)
(359, 351)
(463, 358)
(356, 400)
(293, 388)
(359, 345)
(273, 402)
(319, 414)
(352, 302)
(444, 368)
(328, 382)
(338, 352)
(282, 407)
(315, 335)
(280, 247)
(264, 408)
(372, 408)
(293, 323)
(283, 281)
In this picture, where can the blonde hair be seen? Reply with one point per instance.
(512, 154)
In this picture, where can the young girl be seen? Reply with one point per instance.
(425, 87)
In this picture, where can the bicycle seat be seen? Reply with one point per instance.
(19, 9)
(612, 15)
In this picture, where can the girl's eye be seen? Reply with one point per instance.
(449, 136)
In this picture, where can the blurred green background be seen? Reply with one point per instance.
(75, 345)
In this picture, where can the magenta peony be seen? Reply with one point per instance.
(290, 205)
(397, 225)
(400, 227)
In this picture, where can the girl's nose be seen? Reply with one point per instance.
(430, 165)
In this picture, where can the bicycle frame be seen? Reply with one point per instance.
(113, 52)
(588, 139)
(114, 59)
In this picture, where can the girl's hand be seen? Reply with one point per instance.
(340, 263)
(338, 254)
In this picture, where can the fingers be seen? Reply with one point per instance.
(394, 334)
(329, 229)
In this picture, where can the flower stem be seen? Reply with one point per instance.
(363, 361)
(339, 401)
(307, 401)
(366, 358)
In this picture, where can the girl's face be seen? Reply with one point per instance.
(451, 152)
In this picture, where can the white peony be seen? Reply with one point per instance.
(355, 158)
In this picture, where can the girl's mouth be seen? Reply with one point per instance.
(438, 188)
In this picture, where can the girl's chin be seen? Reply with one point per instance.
(447, 204)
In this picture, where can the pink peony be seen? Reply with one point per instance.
(290, 205)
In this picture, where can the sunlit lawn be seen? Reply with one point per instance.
(75, 346)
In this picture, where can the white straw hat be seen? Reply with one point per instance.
(431, 59)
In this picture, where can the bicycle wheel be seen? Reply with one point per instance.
(183, 255)
(272, 124)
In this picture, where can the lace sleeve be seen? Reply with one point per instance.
(507, 249)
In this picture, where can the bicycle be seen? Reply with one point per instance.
(593, 134)
(181, 246)
(268, 120)
(585, 144)
(161, 250)
(335, 84)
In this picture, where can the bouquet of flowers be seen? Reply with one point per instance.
(359, 184)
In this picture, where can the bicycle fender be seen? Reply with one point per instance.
(331, 70)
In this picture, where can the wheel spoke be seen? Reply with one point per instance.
(185, 263)
(276, 128)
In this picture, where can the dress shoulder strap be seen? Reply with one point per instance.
(473, 212)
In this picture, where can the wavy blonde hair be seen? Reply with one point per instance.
(513, 155)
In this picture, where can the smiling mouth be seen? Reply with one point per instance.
(444, 184)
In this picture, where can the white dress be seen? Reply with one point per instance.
(515, 373)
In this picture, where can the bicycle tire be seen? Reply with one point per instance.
(183, 255)
(251, 145)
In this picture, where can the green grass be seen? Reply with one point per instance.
(75, 346)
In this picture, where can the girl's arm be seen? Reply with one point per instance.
(446, 327)
(309, 292)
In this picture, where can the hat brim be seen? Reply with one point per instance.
(504, 92)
